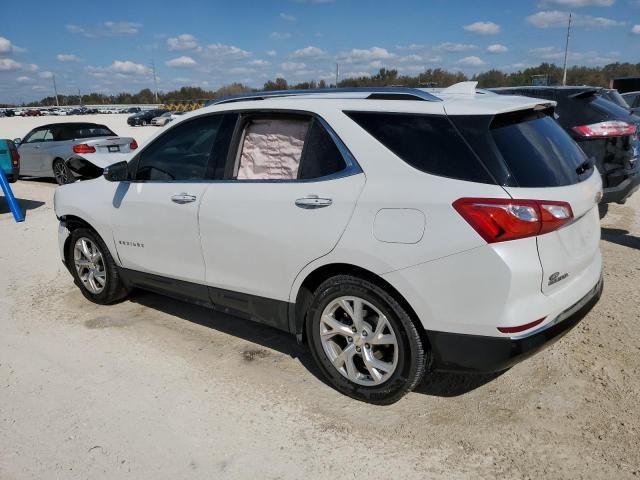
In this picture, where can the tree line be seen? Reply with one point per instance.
(437, 77)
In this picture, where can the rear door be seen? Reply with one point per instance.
(289, 191)
(547, 165)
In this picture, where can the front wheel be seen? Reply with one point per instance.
(144, 123)
(93, 267)
(364, 341)
(61, 172)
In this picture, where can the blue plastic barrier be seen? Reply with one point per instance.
(18, 214)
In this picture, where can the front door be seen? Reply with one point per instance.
(156, 214)
(33, 150)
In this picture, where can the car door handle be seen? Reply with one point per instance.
(313, 201)
(183, 198)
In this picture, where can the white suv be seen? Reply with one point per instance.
(393, 231)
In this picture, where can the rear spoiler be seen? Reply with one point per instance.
(586, 93)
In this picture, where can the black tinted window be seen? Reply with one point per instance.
(426, 142)
(321, 156)
(184, 152)
(538, 151)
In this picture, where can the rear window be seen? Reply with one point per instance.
(537, 151)
(428, 143)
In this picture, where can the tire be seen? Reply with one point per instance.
(603, 209)
(404, 361)
(61, 172)
(112, 289)
(144, 123)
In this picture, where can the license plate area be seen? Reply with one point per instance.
(114, 148)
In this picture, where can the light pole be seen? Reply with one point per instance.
(566, 52)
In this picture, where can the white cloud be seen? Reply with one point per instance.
(290, 66)
(23, 79)
(363, 55)
(106, 29)
(308, 52)
(483, 28)
(185, 41)
(219, 51)
(45, 74)
(5, 45)
(259, 63)
(410, 58)
(280, 35)
(636, 29)
(580, 3)
(67, 57)
(30, 67)
(9, 64)
(183, 61)
(287, 17)
(454, 47)
(497, 48)
(121, 68)
(272, 53)
(472, 61)
(556, 18)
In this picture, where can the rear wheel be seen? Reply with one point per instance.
(61, 172)
(364, 341)
(144, 123)
(93, 267)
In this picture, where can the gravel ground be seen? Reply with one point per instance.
(152, 388)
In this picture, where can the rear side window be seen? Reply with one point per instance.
(537, 151)
(286, 147)
(429, 143)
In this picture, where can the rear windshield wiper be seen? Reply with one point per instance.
(584, 166)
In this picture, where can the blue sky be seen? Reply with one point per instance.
(109, 46)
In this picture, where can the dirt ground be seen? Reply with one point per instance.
(152, 388)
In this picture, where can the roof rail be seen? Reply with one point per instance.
(379, 93)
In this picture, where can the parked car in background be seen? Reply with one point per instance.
(633, 100)
(44, 150)
(607, 133)
(132, 110)
(144, 117)
(8, 112)
(614, 96)
(163, 119)
(9, 160)
(391, 230)
(30, 113)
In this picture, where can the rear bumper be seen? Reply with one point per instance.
(455, 352)
(620, 193)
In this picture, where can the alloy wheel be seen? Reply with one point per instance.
(61, 173)
(359, 341)
(89, 264)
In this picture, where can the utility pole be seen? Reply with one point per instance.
(79, 97)
(337, 74)
(55, 89)
(566, 52)
(155, 80)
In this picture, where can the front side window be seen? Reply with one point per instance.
(39, 135)
(286, 148)
(193, 150)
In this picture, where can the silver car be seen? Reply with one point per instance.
(45, 150)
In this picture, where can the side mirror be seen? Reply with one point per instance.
(17, 141)
(118, 172)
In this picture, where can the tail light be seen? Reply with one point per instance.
(499, 220)
(15, 157)
(133, 145)
(84, 148)
(611, 128)
(521, 328)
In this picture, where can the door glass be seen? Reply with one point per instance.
(287, 148)
(185, 151)
(40, 135)
(272, 148)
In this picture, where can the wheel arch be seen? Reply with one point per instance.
(72, 222)
(313, 280)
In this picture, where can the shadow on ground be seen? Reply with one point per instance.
(434, 384)
(621, 237)
(24, 203)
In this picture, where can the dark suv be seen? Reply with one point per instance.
(608, 133)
